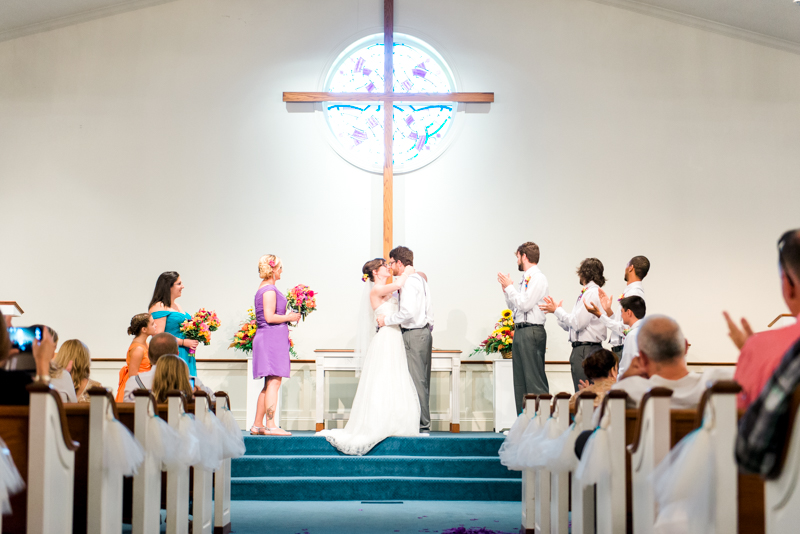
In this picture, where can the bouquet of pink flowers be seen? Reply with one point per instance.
(200, 326)
(302, 300)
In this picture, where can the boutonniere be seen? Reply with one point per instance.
(582, 292)
(625, 332)
(527, 280)
(622, 296)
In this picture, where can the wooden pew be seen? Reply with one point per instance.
(782, 495)
(41, 447)
(542, 476)
(530, 403)
(559, 482)
(582, 499)
(646, 452)
(202, 505)
(222, 479)
(177, 478)
(146, 513)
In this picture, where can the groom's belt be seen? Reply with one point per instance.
(583, 343)
(404, 330)
(526, 325)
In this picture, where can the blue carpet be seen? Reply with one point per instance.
(442, 467)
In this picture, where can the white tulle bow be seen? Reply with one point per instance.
(122, 452)
(232, 439)
(10, 480)
(190, 444)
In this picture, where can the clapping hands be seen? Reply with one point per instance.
(550, 305)
(504, 279)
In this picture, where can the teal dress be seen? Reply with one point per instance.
(173, 326)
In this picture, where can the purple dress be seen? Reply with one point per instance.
(271, 342)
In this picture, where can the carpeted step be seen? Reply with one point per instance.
(371, 466)
(429, 446)
(375, 489)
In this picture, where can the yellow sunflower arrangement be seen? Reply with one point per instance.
(502, 337)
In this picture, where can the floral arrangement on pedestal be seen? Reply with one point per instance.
(502, 337)
(200, 326)
(243, 338)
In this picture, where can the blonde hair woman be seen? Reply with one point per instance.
(171, 373)
(74, 358)
(270, 344)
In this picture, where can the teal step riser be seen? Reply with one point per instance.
(376, 490)
(314, 445)
(369, 466)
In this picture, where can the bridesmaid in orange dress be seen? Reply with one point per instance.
(142, 327)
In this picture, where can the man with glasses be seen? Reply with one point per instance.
(762, 353)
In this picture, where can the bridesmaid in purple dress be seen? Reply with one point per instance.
(270, 344)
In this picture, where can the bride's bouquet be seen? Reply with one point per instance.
(502, 337)
(200, 326)
(243, 338)
(302, 300)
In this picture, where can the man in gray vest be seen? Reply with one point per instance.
(415, 318)
(530, 338)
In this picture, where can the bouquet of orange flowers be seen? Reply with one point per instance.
(200, 326)
(302, 300)
(502, 337)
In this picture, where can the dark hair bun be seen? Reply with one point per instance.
(599, 364)
(138, 321)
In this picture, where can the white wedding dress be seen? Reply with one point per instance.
(386, 402)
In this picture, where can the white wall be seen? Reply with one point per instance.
(157, 140)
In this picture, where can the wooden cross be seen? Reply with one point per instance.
(387, 97)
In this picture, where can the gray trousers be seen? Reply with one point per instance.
(579, 354)
(419, 345)
(527, 361)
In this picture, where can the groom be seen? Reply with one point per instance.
(415, 318)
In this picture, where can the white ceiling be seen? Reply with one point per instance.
(771, 22)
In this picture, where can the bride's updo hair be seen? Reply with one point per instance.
(267, 265)
(372, 265)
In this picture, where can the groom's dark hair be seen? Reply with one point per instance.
(403, 255)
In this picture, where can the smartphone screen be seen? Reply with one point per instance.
(22, 337)
(191, 381)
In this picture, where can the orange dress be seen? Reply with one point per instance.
(124, 373)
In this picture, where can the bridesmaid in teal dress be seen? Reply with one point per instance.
(168, 315)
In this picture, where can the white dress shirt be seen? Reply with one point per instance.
(416, 306)
(614, 323)
(524, 301)
(63, 384)
(630, 348)
(580, 323)
(686, 391)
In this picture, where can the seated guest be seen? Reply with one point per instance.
(13, 383)
(662, 363)
(633, 311)
(137, 361)
(73, 362)
(762, 352)
(162, 345)
(601, 368)
(171, 373)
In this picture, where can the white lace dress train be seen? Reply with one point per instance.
(386, 402)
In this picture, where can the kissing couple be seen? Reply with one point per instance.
(394, 364)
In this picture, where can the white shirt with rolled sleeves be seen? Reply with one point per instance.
(524, 301)
(416, 306)
(630, 348)
(580, 323)
(614, 323)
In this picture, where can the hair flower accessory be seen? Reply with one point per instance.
(271, 263)
(364, 277)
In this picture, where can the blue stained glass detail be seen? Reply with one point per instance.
(419, 130)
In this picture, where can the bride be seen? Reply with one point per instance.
(386, 402)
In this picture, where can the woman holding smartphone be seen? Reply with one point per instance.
(168, 315)
(270, 344)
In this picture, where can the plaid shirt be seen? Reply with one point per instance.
(762, 430)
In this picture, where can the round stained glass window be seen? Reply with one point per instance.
(420, 129)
